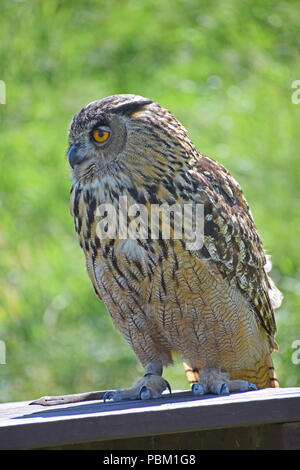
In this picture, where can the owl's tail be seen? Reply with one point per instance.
(263, 375)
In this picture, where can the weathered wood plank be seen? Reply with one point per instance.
(33, 426)
(262, 437)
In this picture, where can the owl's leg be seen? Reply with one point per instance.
(218, 382)
(192, 373)
(151, 385)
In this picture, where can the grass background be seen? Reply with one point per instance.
(225, 70)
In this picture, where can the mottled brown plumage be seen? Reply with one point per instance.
(214, 305)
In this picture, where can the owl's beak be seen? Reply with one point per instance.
(74, 157)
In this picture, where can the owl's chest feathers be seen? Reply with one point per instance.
(144, 265)
(122, 206)
(103, 224)
(141, 266)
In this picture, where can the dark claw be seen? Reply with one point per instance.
(168, 386)
(223, 390)
(252, 386)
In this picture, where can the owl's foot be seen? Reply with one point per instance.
(151, 385)
(218, 382)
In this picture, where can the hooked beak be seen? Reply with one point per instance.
(74, 157)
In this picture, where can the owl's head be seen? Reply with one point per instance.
(126, 132)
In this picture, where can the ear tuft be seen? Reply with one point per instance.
(131, 107)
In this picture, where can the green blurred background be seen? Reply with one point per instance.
(225, 70)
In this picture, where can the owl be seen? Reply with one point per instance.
(211, 300)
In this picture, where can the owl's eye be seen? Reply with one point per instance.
(101, 135)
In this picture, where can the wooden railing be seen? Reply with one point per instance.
(262, 419)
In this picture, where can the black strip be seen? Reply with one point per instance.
(139, 266)
(205, 252)
(91, 211)
(131, 107)
(76, 201)
(137, 195)
(163, 284)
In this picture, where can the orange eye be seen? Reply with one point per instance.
(101, 135)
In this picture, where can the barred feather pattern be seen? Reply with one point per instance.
(213, 305)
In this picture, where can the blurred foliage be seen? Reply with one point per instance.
(225, 70)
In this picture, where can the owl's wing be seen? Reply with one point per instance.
(231, 239)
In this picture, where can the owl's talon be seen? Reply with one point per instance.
(168, 386)
(197, 390)
(251, 386)
(111, 395)
(144, 393)
(151, 385)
